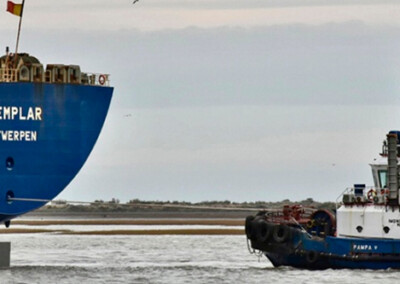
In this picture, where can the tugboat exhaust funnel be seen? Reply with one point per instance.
(393, 180)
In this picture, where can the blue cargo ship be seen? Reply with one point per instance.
(363, 234)
(50, 119)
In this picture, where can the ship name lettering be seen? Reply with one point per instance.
(365, 247)
(20, 135)
(13, 112)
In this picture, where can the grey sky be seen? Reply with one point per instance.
(238, 100)
(163, 14)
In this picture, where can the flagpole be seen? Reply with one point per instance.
(19, 27)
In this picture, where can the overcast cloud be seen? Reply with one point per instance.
(241, 100)
(148, 15)
(345, 64)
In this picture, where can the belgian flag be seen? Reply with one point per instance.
(15, 9)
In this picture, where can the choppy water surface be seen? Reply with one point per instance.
(53, 258)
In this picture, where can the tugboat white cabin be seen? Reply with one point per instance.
(373, 212)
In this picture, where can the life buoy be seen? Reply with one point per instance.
(249, 227)
(264, 230)
(281, 233)
(102, 79)
(312, 256)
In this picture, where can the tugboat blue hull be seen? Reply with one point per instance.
(301, 250)
(47, 132)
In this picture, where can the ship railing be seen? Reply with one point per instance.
(289, 214)
(369, 194)
(8, 75)
(96, 79)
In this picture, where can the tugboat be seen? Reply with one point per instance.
(363, 234)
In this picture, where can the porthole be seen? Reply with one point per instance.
(9, 163)
(386, 229)
(359, 229)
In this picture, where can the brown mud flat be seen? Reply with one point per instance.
(165, 232)
(116, 222)
(128, 232)
(220, 222)
(203, 214)
(24, 231)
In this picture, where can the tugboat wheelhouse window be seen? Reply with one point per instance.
(382, 178)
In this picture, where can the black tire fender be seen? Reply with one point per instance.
(282, 233)
(249, 229)
(264, 230)
(312, 256)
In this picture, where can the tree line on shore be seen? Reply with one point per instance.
(136, 205)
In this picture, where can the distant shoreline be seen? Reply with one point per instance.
(138, 209)
(152, 217)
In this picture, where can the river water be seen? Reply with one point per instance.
(57, 258)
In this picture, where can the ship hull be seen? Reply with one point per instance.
(301, 250)
(47, 132)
